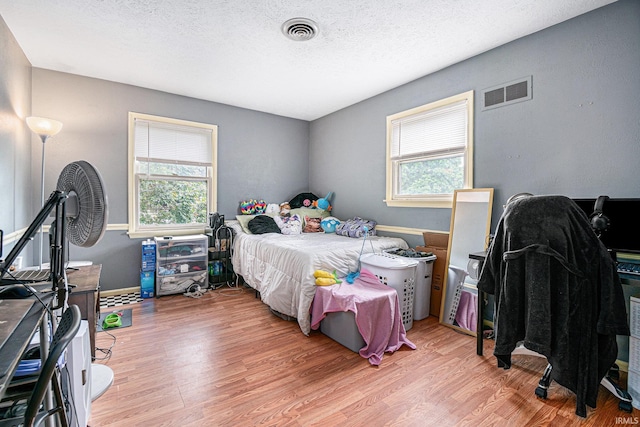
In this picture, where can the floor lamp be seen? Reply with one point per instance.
(45, 129)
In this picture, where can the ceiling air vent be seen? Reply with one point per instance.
(300, 29)
(507, 93)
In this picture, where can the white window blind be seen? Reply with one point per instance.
(172, 175)
(441, 130)
(170, 143)
(430, 152)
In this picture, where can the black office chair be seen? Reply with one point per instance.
(556, 292)
(34, 415)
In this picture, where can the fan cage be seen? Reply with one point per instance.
(82, 181)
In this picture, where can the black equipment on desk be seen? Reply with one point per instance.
(17, 291)
(622, 233)
(617, 223)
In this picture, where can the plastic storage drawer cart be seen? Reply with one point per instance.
(181, 264)
(633, 378)
(399, 273)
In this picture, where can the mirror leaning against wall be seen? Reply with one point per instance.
(469, 233)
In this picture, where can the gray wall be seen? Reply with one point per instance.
(579, 135)
(15, 137)
(259, 155)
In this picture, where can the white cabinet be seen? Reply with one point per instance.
(633, 379)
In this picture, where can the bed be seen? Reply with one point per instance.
(280, 267)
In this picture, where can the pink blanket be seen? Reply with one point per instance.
(467, 314)
(377, 313)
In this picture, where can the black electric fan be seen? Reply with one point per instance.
(86, 204)
(80, 204)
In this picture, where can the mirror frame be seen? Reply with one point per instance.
(481, 246)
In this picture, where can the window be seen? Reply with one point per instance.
(430, 152)
(171, 175)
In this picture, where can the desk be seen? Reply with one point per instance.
(14, 347)
(86, 295)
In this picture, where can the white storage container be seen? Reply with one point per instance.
(633, 387)
(633, 378)
(399, 273)
(422, 292)
(634, 317)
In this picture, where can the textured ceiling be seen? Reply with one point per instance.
(234, 52)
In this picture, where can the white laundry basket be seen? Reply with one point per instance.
(400, 275)
(455, 283)
(424, 274)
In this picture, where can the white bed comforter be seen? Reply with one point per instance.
(281, 267)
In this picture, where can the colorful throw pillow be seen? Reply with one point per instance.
(289, 224)
(355, 227)
(259, 206)
(248, 207)
(312, 225)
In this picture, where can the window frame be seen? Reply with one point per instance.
(134, 229)
(431, 200)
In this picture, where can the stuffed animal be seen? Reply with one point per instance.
(248, 207)
(272, 209)
(259, 207)
(285, 209)
(324, 278)
(289, 224)
(324, 204)
(329, 224)
(312, 225)
(302, 200)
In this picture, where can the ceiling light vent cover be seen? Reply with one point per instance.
(300, 29)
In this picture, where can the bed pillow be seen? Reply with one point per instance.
(243, 220)
(289, 224)
(355, 227)
(312, 225)
(263, 224)
(309, 212)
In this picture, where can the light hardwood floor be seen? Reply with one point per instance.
(225, 360)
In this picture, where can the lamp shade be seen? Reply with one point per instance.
(44, 127)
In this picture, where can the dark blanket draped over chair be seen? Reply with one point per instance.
(557, 291)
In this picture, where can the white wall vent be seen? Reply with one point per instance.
(508, 93)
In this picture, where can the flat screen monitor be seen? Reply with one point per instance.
(623, 234)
